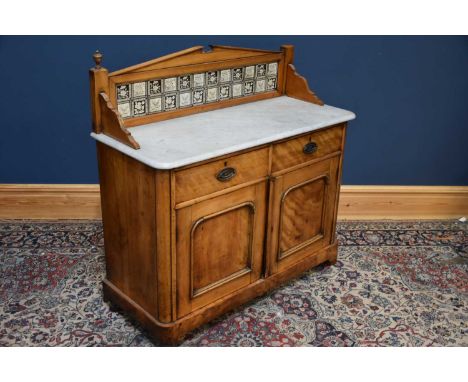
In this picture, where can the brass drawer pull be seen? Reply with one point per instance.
(226, 174)
(310, 148)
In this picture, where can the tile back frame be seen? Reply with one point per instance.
(192, 88)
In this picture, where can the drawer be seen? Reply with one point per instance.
(306, 147)
(217, 175)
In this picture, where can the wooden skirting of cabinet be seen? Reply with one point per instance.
(187, 244)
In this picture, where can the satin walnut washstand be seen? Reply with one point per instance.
(220, 172)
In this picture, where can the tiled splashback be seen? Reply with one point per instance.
(159, 95)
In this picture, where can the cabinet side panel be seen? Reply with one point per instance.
(128, 203)
(338, 185)
(165, 264)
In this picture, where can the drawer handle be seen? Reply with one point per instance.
(310, 148)
(226, 174)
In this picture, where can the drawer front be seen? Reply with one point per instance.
(220, 174)
(306, 147)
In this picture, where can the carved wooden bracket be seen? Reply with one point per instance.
(297, 87)
(113, 125)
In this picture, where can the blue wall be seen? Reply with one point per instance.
(410, 95)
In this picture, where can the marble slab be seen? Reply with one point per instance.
(187, 140)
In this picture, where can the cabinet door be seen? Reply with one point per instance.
(302, 210)
(219, 246)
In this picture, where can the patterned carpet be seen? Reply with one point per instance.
(395, 284)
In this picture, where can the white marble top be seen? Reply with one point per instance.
(186, 140)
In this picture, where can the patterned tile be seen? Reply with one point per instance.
(138, 107)
(225, 75)
(139, 89)
(237, 90)
(155, 105)
(212, 94)
(123, 92)
(225, 92)
(271, 83)
(261, 70)
(154, 87)
(237, 74)
(260, 86)
(248, 87)
(249, 72)
(170, 84)
(124, 109)
(272, 69)
(212, 78)
(185, 99)
(166, 94)
(184, 82)
(170, 101)
(199, 80)
(198, 96)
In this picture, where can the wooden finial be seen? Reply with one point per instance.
(97, 57)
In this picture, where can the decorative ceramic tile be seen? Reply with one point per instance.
(155, 105)
(185, 99)
(249, 72)
(237, 74)
(138, 107)
(272, 68)
(225, 75)
(165, 94)
(261, 70)
(199, 80)
(212, 94)
(237, 90)
(170, 84)
(123, 92)
(154, 87)
(170, 102)
(184, 82)
(224, 91)
(139, 89)
(260, 86)
(248, 87)
(124, 109)
(212, 78)
(271, 83)
(198, 96)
